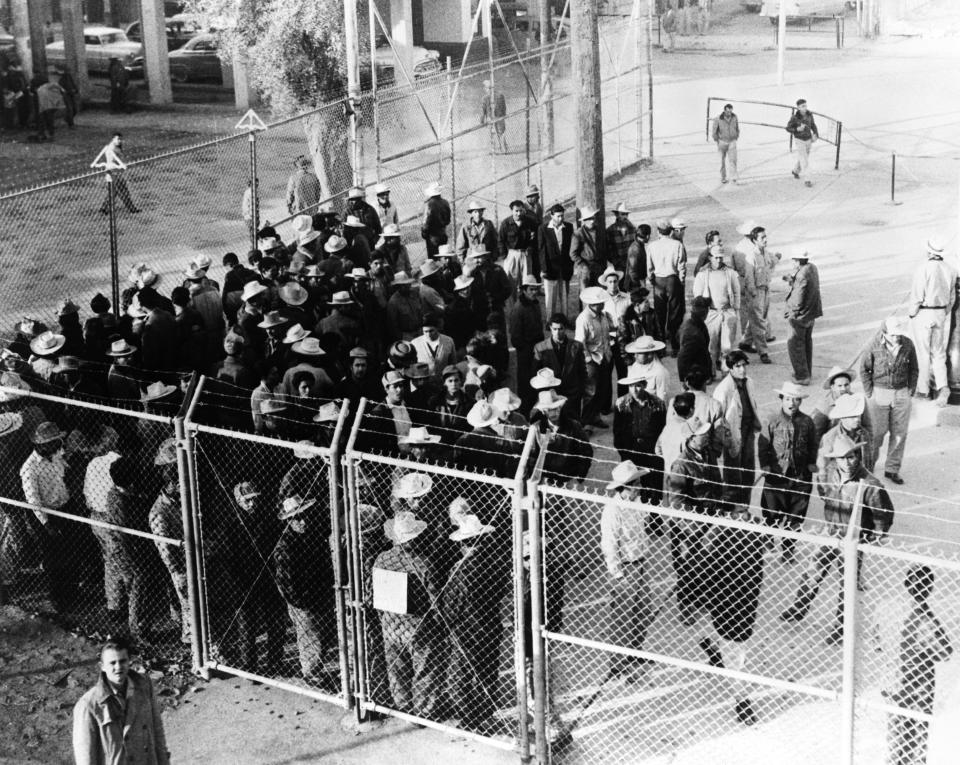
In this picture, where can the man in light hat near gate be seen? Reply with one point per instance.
(476, 233)
(593, 331)
(890, 373)
(386, 209)
(838, 384)
(620, 235)
(638, 420)
(526, 330)
(932, 297)
(787, 453)
(357, 205)
(847, 415)
(623, 541)
(435, 219)
(406, 594)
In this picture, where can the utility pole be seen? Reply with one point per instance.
(781, 41)
(38, 40)
(546, 82)
(21, 35)
(155, 61)
(352, 43)
(588, 153)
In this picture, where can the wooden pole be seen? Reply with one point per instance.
(588, 153)
(352, 45)
(781, 41)
(546, 84)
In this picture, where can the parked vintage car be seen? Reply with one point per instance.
(426, 62)
(799, 9)
(102, 44)
(178, 32)
(196, 59)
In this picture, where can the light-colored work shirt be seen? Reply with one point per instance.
(622, 538)
(43, 483)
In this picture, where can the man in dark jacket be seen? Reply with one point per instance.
(787, 453)
(357, 205)
(804, 131)
(620, 238)
(638, 420)
(554, 239)
(587, 249)
(476, 233)
(695, 340)
(436, 218)
(517, 242)
(526, 330)
(802, 308)
(564, 357)
(159, 343)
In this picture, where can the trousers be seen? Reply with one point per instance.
(803, 156)
(630, 615)
(890, 412)
(596, 391)
(310, 643)
(739, 472)
(556, 296)
(800, 348)
(669, 304)
(930, 330)
(722, 329)
(728, 155)
(757, 328)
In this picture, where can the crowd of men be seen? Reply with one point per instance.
(340, 313)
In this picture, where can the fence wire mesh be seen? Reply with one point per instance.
(268, 551)
(435, 554)
(92, 521)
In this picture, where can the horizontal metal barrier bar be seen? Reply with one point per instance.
(321, 451)
(785, 685)
(908, 556)
(338, 700)
(88, 405)
(425, 467)
(91, 522)
(893, 709)
(460, 732)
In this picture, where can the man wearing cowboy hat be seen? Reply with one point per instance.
(295, 304)
(554, 238)
(803, 307)
(386, 210)
(450, 406)
(932, 298)
(433, 348)
(847, 414)
(158, 339)
(638, 420)
(526, 330)
(471, 609)
(787, 453)
(890, 372)
(389, 420)
(343, 320)
(721, 287)
(461, 321)
(404, 309)
(569, 453)
(357, 205)
(623, 542)
(517, 241)
(667, 272)
(431, 297)
(837, 384)
(234, 281)
(422, 386)
(414, 636)
(435, 219)
(307, 353)
(360, 381)
(587, 249)
(476, 233)
(303, 187)
(593, 331)
(45, 348)
(615, 305)
(845, 474)
(565, 359)
(533, 206)
(645, 364)
(253, 300)
(360, 242)
(620, 235)
(305, 579)
(483, 450)
(392, 249)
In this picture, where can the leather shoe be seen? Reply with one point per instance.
(894, 478)
(765, 359)
(747, 348)
(771, 338)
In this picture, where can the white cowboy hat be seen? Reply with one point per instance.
(401, 277)
(505, 400)
(403, 527)
(543, 379)
(848, 405)
(476, 204)
(412, 485)
(800, 253)
(529, 280)
(47, 343)
(548, 399)
(295, 334)
(328, 412)
(358, 273)
(418, 437)
(842, 446)
(610, 271)
(306, 238)
(302, 224)
(381, 188)
(194, 272)
(309, 346)
(462, 282)
(470, 527)
(356, 193)
(433, 190)
(482, 415)
(9, 422)
(272, 319)
(645, 344)
(445, 251)
(593, 296)
(633, 378)
(157, 390)
(391, 229)
(341, 298)
(353, 222)
(625, 473)
(121, 348)
(335, 244)
(678, 223)
(251, 290)
(621, 208)
(935, 245)
(429, 268)
(293, 506)
(587, 212)
(792, 390)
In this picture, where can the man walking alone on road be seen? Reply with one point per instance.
(726, 131)
(804, 130)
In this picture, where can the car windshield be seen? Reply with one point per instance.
(113, 37)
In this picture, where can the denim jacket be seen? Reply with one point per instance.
(787, 445)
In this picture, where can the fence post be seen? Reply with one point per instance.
(193, 486)
(851, 539)
(336, 526)
(491, 96)
(893, 179)
(519, 625)
(356, 567)
(836, 160)
(189, 543)
(526, 113)
(374, 84)
(114, 253)
(536, 621)
(650, 73)
(453, 158)
(254, 200)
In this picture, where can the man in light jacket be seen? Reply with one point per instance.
(726, 131)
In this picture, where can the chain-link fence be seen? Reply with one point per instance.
(92, 518)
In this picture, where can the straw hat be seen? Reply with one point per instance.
(529, 280)
(792, 390)
(357, 274)
(677, 223)
(293, 506)
(401, 277)
(193, 273)
(251, 290)
(621, 208)
(335, 244)
(12, 380)
(341, 298)
(121, 348)
(403, 527)
(46, 432)
(445, 251)
(624, 474)
(309, 346)
(587, 212)
(328, 412)
(157, 390)
(305, 450)
(842, 446)
(633, 378)
(412, 485)
(419, 437)
(470, 527)
(548, 400)
(272, 406)
(381, 188)
(848, 405)
(505, 400)
(543, 379)
(355, 193)
(302, 224)
(391, 229)
(10, 422)
(645, 344)
(353, 222)
(593, 296)
(429, 268)
(610, 271)
(475, 204)
(272, 319)
(47, 343)
(935, 245)
(433, 190)
(462, 283)
(532, 190)
(838, 371)
(295, 334)
(293, 293)
(482, 415)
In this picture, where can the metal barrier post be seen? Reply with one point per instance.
(373, 86)
(189, 545)
(254, 203)
(453, 159)
(536, 621)
(650, 71)
(114, 254)
(356, 598)
(519, 623)
(526, 112)
(836, 161)
(200, 573)
(848, 690)
(336, 517)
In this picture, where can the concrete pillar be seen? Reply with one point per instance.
(38, 40)
(155, 59)
(244, 96)
(73, 46)
(21, 35)
(401, 30)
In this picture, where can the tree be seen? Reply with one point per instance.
(295, 54)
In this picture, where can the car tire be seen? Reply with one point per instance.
(179, 74)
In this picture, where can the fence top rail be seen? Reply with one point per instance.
(835, 124)
(320, 451)
(18, 392)
(889, 550)
(429, 467)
